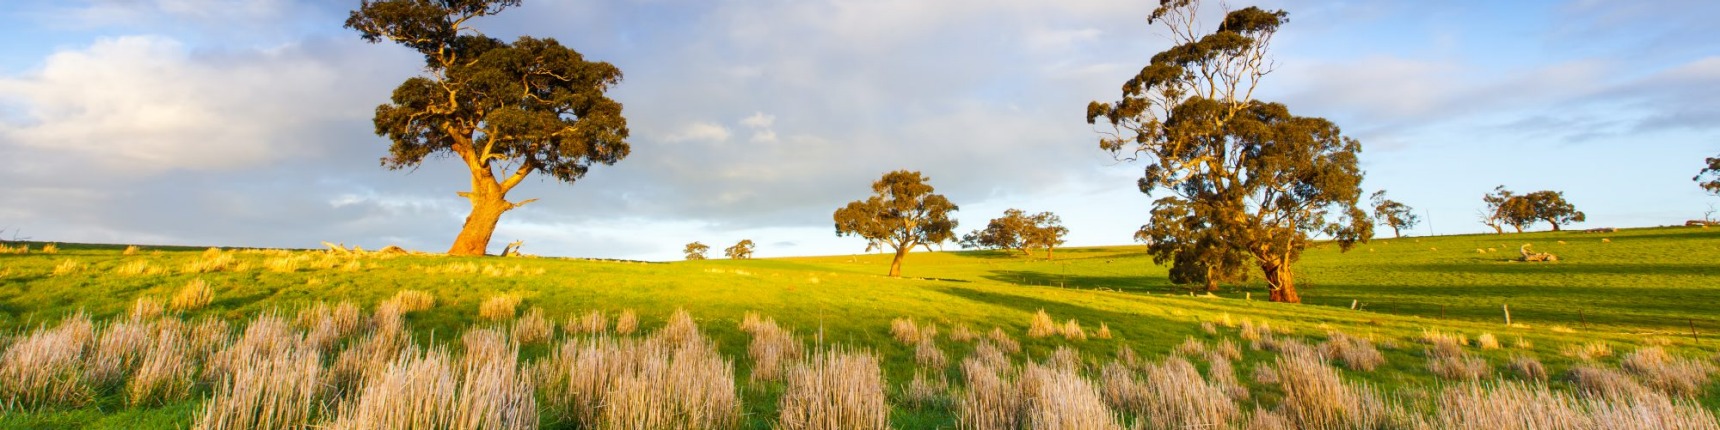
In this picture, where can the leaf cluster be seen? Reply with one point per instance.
(1709, 177)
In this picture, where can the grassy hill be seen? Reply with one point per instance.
(1620, 291)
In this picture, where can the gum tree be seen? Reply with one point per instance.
(505, 110)
(741, 251)
(1709, 177)
(1393, 214)
(1244, 176)
(902, 213)
(695, 250)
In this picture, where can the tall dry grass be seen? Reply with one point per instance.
(119, 346)
(194, 295)
(145, 308)
(835, 390)
(627, 322)
(772, 350)
(1525, 406)
(268, 381)
(67, 267)
(925, 392)
(1170, 395)
(533, 328)
(484, 389)
(166, 371)
(1041, 325)
(962, 333)
(1672, 375)
(1355, 353)
(593, 322)
(212, 260)
(44, 368)
(1071, 330)
(1001, 396)
(407, 301)
(1003, 341)
(1316, 397)
(905, 330)
(928, 355)
(499, 307)
(1528, 368)
(673, 379)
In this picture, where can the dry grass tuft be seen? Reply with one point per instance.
(212, 260)
(1062, 399)
(961, 333)
(533, 328)
(928, 355)
(145, 308)
(924, 392)
(499, 307)
(1064, 358)
(1227, 349)
(681, 329)
(131, 250)
(67, 267)
(594, 322)
(835, 390)
(1002, 340)
(627, 323)
(905, 330)
(118, 348)
(1041, 325)
(166, 371)
(1601, 382)
(484, 390)
(1457, 365)
(1071, 330)
(1522, 406)
(1209, 327)
(135, 268)
(194, 295)
(269, 381)
(772, 349)
(1588, 351)
(51, 248)
(1190, 347)
(1672, 375)
(1355, 353)
(1528, 368)
(407, 301)
(1316, 397)
(653, 383)
(1104, 331)
(1486, 341)
(42, 369)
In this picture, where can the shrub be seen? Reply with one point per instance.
(1041, 325)
(194, 295)
(836, 390)
(500, 307)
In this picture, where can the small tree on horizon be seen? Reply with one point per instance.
(1018, 231)
(903, 213)
(695, 251)
(1505, 207)
(505, 110)
(1550, 206)
(1258, 179)
(1393, 214)
(742, 250)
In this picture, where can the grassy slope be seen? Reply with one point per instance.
(1649, 281)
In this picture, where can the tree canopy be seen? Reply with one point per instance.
(1244, 176)
(741, 251)
(1018, 231)
(695, 250)
(1550, 206)
(902, 213)
(1709, 177)
(506, 110)
(1393, 214)
(1524, 210)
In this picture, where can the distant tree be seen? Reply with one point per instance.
(696, 251)
(505, 110)
(903, 213)
(1393, 214)
(1508, 208)
(1190, 245)
(1019, 231)
(741, 251)
(1709, 177)
(1258, 178)
(1047, 232)
(1550, 206)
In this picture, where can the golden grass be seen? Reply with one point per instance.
(835, 390)
(1171, 395)
(962, 333)
(119, 346)
(212, 260)
(499, 307)
(266, 385)
(131, 250)
(1104, 331)
(51, 248)
(681, 329)
(42, 369)
(1063, 399)
(407, 301)
(1354, 353)
(1594, 381)
(1588, 351)
(135, 268)
(194, 295)
(1675, 376)
(905, 330)
(1528, 368)
(166, 370)
(428, 389)
(1041, 325)
(1524, 406)
(1486, 341)
(1071, 330)
(627, 322)
(1316, 397)
(928, 355)
(593, 322)
(674, 379)
(67, 267)
(1002, 340)
(1455, 364)
(533, 328)
(772, 349)
(925, 392)
(145, 308)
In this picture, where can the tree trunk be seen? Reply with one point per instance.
(1395, 233)
(1554, 223)
(1519, 227)
(1280, 281)
(474, 238)
(896, 264)
(1048, 255)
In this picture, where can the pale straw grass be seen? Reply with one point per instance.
(1041, 325)
(499, 307)
(772, 349)
(265, 386)
(961, 333)
(905, 330)
(145, 308)
(1672, 375)
(407, 301)
(835, 390)
(1354, 353)
(1071, 330)
(166, 371)
(42, 369)
(1003, 341)
(627, 322)
(532, 328)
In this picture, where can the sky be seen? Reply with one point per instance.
(247, 123)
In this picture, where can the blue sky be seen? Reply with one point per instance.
(247, 122)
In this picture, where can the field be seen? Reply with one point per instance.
(1624, 322)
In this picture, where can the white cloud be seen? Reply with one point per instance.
(146, 104)
(701, 131)
(759, 120)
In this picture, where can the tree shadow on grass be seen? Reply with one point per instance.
(1030, 304)
(1519, 268)
(1129, 283)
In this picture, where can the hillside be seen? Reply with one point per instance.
(1624, 290)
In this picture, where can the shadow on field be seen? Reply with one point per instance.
(1029, 305)
(1563, 267)
(1043, 279)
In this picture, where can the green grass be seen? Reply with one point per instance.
(1643, 284)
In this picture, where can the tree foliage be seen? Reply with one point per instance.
(505, 110)
(741, 251)
(1505, 207)
(903, 213)
(695, 250)
(1709, 177)
(1244, 176)
(1018, 231)
(1393, 214)
(1191, 246)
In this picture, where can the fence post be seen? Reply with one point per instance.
(1353, 304)
(1507, 309)
(1693, 337)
